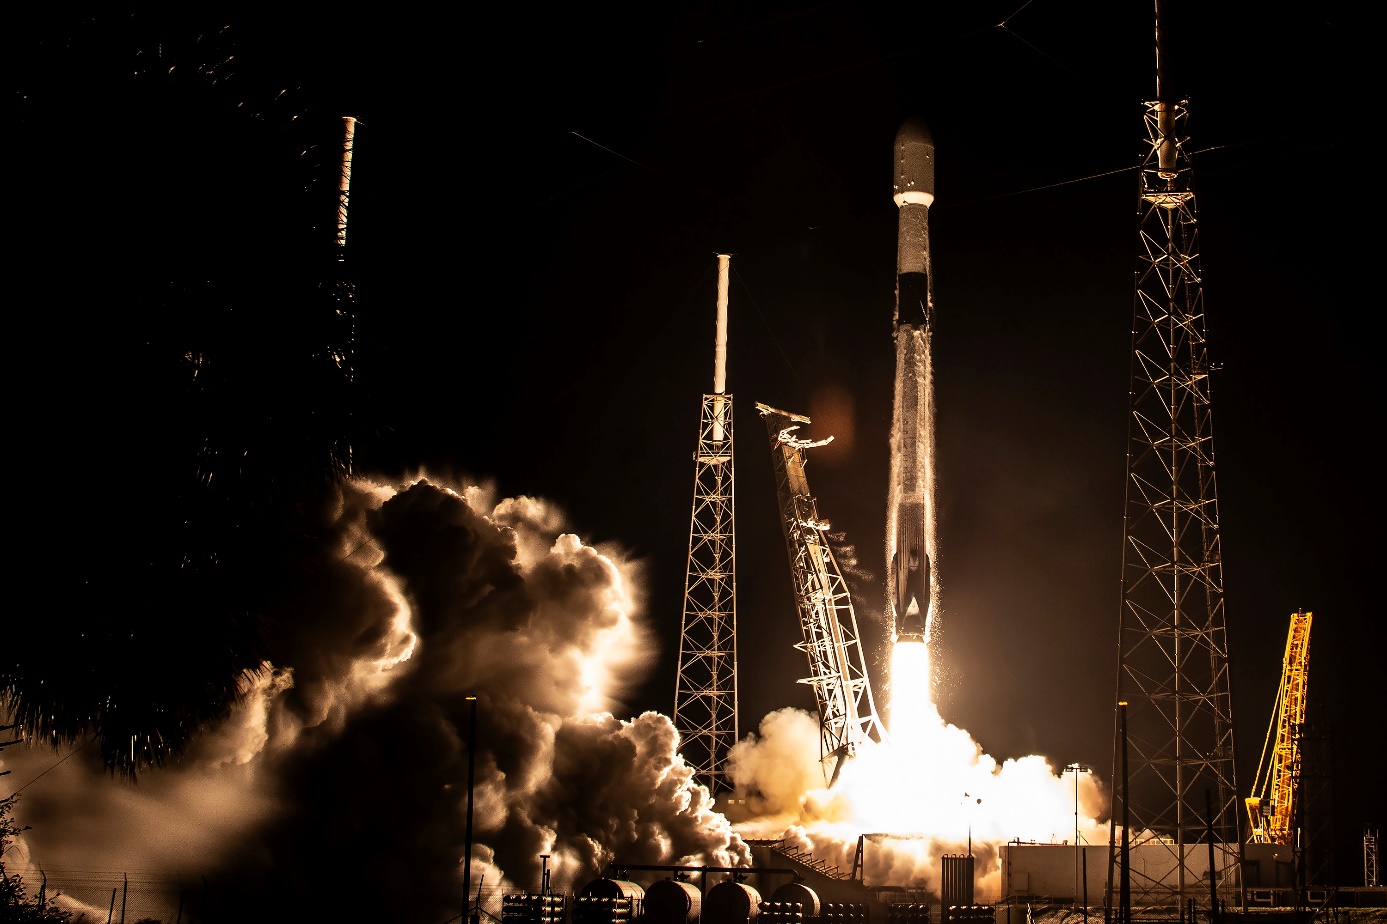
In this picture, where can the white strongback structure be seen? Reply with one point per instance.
(828, 625)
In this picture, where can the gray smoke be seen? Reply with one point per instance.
(339, 785)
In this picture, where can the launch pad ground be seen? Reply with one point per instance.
(1051, 914)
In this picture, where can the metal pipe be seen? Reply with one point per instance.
(656, 867)
(1124, 914)
(720, 348)
(471, 779)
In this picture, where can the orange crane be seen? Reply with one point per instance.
(1271, 806)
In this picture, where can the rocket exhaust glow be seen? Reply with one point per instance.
(910, 504)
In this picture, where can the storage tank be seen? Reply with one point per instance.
(798, 893)
(956, 880)
(671, 901)
(608, 901)
(612, 888)
(731, 903)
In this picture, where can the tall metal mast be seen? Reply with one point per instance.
(705, 693)
(837, 665)
(1172, 638)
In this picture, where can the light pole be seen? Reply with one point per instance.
(970, 820)
(471, 779)
(1076, 769)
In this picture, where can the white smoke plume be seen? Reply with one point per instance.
(339, 785)
(930, 790)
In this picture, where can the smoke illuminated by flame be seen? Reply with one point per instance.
(354, 740)
(928, 791)
(353, 743)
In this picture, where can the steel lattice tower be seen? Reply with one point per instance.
(1172, 638)
(1369, 857)
(1313, 844)
(705, 693)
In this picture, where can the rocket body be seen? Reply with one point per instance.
(910, 504)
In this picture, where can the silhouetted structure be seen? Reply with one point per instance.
(1172, 638)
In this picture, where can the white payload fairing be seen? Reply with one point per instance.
(910, 503)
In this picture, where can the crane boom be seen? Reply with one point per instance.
(1271, 807)
(837, 668)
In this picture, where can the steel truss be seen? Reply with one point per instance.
(1172, 638)
(1370, 857)
(837, 666)
(705, 696)
(1275, 784)
(1312, 846)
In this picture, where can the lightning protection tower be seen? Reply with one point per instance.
(1172, 639)
(705, 693)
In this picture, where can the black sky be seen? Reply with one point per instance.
(538, 198)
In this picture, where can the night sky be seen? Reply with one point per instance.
(539, 196)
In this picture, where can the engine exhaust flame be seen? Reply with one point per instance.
(930, 790)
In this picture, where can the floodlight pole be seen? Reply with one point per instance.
(471, 781)
(1076, 769)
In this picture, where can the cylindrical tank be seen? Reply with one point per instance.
(798, 893)
(608, 901)
(670, 901)
(956, 880)
(731, 903)
(612, 888)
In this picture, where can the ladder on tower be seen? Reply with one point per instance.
(828, 625)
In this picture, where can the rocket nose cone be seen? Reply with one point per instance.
(914, 163)
(914, 131)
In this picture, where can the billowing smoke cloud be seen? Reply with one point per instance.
(339, 785)
(930, 790)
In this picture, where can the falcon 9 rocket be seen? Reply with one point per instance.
(910, 503)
